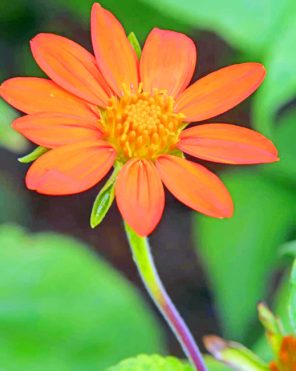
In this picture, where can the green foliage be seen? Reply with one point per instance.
(240, 253)
(135, 15)
(13, 201)
(158, 363)
(245, 24)
(63, 308)
(9, 138)
(284, 138)
(151, 363)
(280, 84)
(281, 310)
(292, 296)
(214, 365)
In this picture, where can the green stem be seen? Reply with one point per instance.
(146, 267)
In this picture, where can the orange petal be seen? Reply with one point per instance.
(220, 91)
(228, 144)
(195, 186)
(140, 195)
(56, 129)
(70, 66)
(70, 169)
(33, 95)
(168, 61)
(115, 56)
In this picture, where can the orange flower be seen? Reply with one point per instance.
(112, 107)
(287, 356)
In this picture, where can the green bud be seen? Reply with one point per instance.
(273, 327)
(234, 354)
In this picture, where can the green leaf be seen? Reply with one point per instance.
(234, 354)
(289, 296)
(9, 138)
(32, 156)
(136, 16)
(280, 308)
(135, 44)
(152, 363)
(246, 24)
(213, 365)
(292, 296)
(284, 138)
(280, 83)
(64, 308)
(239, 253)
(288, 249)
(104, 200)
(159, 363)
(15, 206)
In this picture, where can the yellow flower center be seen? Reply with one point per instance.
(142, 125)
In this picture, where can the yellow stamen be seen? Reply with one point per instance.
(142, 125)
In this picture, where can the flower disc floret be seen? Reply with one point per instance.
(142, 125)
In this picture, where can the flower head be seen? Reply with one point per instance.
(113, 108)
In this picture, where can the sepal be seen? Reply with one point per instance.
(135, 44)
(104, 200)
(32, 156)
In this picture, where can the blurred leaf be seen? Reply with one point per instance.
(281, 310)
(248, 25)
(281, 300)
(292, 296)
(17, 19)
(234, 354)
(288, 249)
(280, 84)
(9, 138)
(152, 363)
(13, 201)
(24, 61)
(136, 15)
(62, 308)
(159, 363)
(32, 156)
(214, 365)
(284, 138)
(239, 253)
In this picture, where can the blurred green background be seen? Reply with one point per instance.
(76, 303)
